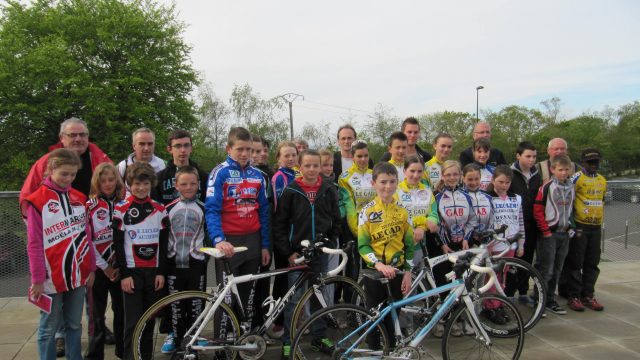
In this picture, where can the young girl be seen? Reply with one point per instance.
(107, 190)
(308, 207)
(457, 223)
(61, 256)
(507, 209)
(356, 190)
(287, 157)
(442, 144)
(481, 201)
(419, 201)
(481, 149)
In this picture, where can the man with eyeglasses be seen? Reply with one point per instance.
(179, 145)
(74, 135)
(482, 130)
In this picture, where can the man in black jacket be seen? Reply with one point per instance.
(411, 128)
(179, 145)
(343, 159)
(482, 130)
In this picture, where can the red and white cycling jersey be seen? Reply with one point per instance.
(66, 247)
(100, 212)
(141, 222)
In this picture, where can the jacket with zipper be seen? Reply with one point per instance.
(298, 219)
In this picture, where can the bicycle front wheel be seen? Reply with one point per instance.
(504, 338)
(523, 277)
(333, 333)
(222, 329)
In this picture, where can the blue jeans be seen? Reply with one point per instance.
(319, 328)
(66, 309)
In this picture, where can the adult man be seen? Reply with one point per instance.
(179, 146)
(144, 144)
(411, 128)
(556, 147)
(482, 130)
(73, 135)
(343, 159)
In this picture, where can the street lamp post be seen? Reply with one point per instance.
(478, 88)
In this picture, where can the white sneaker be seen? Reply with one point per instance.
(467, 328)
(456, 330)
(438, 331)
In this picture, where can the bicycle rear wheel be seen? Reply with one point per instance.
(331, 332)
(320, 296)
(222, 329)
(505, 337)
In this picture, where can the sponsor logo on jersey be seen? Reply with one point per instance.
(375, 217)
(54, 207)
(101, 214)
(406, 197)
(132, 234)
(146, 252)
(232, 192)
(133, 212)
(234, 173)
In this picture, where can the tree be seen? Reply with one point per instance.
(551, 110)
(379, 128)
(456, 124)
(317, 134)
(512, 125)
(211, 132)
(117, 64)
(264, 117)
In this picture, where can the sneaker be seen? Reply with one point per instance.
(286, 351)
(574, 304)
(275, 331)
(202, 341)
(109, 339)
(592, 303)
(438, 331)
(526, 300)
(502, 312)
(60, 350)
(322, 345)
(169, 345)
(556, 309)
(494, 316)
(456, 330)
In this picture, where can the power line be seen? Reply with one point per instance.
(329, 111)
(339, 107)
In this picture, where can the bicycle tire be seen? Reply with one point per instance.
(157, 339)
(530, 315)
(506, 340)
(340, 321)
(308, 297)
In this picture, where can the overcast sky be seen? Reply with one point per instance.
(419, 56)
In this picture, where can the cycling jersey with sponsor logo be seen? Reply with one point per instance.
(100, 212)
(589, 203)
(138, 223)
(457, 216)
(187, 234)
(419, 202)
(482, 204)
(385, 234)
(67, 250)
(356, 190)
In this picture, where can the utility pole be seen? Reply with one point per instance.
(290, 98)
(477, 102)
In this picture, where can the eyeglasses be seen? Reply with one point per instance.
(181, 146)
(81, 135)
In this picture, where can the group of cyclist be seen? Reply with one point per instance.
(135, 230)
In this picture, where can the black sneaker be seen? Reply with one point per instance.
(60, 350)
(494, 316)
(322, 345)
(555, 308)
(502, 312)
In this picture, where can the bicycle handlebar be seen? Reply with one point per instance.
(464, 262)
(217, 254)
(306, 244)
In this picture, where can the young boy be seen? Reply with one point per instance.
(581, 266)
(385, 241)
(179, 145)
(481, 150)
(186, 265)
(397, 147)
(553, 211)
(140, 232)
(237, 213)
(307, 208)
(526, 182)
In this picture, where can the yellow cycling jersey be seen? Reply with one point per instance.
(385, 234)
(400, 167)
(419, 202)
(433, 171)
(589, 203)
(356, 190)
